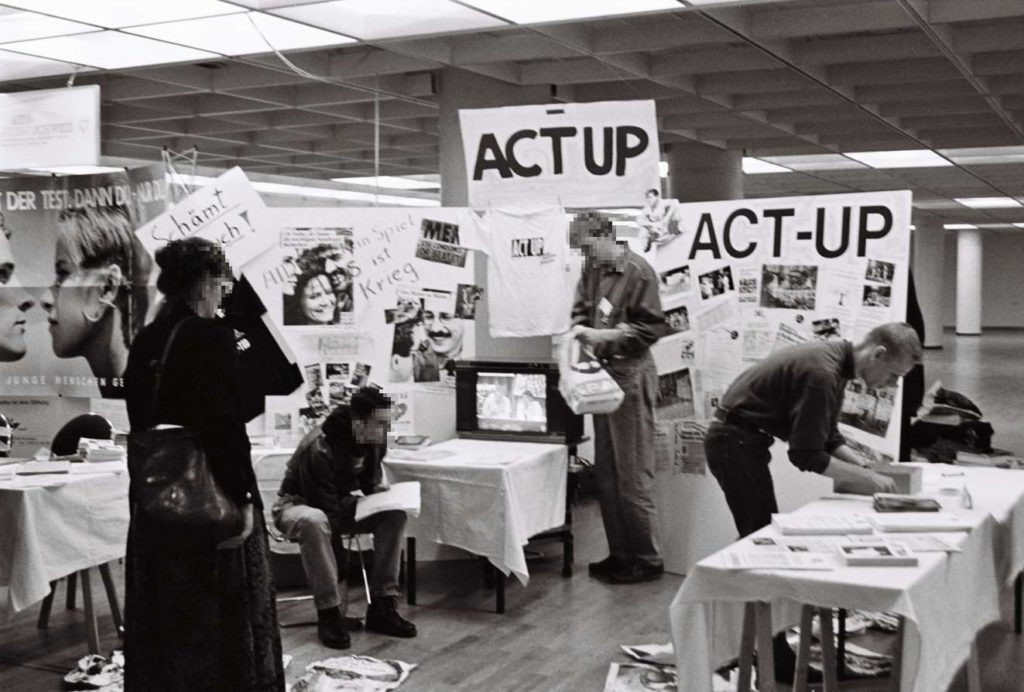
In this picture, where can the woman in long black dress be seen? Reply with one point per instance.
(203, 619)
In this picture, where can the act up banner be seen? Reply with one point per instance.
(577, 154)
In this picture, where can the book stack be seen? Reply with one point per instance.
(100, 450)
(919, 521)
(892, 502)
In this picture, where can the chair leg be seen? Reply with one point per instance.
(1018, 592)
(410, 556)
(44, 612)
(92, 629)
(72, 580)
(115, 605)
(362, 567)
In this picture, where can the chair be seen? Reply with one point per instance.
(285, 560)
(88, 425)
(65, 443)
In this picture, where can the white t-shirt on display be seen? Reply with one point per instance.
(529, 281)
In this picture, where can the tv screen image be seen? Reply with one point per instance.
(512, 402)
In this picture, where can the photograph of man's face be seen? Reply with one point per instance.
(14, 303)
(443, 329)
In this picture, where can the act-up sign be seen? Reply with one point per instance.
(578, 154)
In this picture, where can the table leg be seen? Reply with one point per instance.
(841, 643)
(746, 649)
(829, 667)
(115, 605)
(91, 627)
(803, 653)
(44, 612)
(410, 570)
(895, 677)
(1018, 592)
(499, 591)
(765, 648)
(72, 580)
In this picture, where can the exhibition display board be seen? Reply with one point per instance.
(740, 279)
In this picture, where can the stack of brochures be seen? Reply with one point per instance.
(869, 551)
(820, 524)
(892, 502)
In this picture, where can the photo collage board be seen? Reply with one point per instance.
(743, 278)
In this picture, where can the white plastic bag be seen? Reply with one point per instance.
(583, 383)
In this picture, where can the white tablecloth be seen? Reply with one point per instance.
(999, 492)
(54, 526)
(946, 600)
(488, 497)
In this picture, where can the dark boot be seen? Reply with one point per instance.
(382, 617)
(330, 629)
(604, 568)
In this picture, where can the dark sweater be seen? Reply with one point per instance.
(795, 394)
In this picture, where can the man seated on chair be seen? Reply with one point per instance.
(315, 505)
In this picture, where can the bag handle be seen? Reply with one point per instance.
(163, 364)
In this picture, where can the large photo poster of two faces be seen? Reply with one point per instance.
(74, 279)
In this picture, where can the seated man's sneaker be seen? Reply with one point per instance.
(382, 617)
(331, 629)
(605, 567)
(636, 572)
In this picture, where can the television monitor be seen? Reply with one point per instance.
(501, 399)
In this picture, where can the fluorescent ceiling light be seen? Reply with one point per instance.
(77, 170)
(752, 166)
(390, 181)
(814, 162)
(662, 169)
(958, 226)
(537, 11)
(326, 193)
(18, 66)
(373, 19)
(108, 50)
(234, 34)
(935, 204)
(985, 155)
(988, 202)
(1018, 225)
(16, 25)
(114, 14)
(911, 158)
(273, 4)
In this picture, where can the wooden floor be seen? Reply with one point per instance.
(558, 634)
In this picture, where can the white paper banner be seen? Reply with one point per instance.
(743, 278)
(50, 127)
(577, 154)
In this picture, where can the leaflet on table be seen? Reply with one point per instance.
(876, 552)
(401, 496)
(920, 521)
(916, 543)
(773, 559)
(821, 524)
(795, 545)
(657, 654)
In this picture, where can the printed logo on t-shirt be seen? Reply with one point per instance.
(527, 247)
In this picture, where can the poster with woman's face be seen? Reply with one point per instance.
(73, 279)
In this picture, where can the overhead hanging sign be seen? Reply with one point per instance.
(578, 154)
(50, 127)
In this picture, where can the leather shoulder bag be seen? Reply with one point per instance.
(176, 496)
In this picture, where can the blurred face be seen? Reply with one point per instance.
(883, 369)
(73, 295)
(215, 289)
(652, 199)
(14, 303)
(595, 242)
(444, 332)
(373, 430)
(318, 300)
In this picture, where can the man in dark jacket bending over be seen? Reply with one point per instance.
(315, 504)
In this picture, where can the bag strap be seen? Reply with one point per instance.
(163, 364)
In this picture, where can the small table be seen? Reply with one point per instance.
(55, 525)
(945, 600)
(488, 498)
